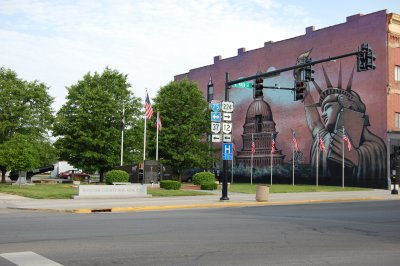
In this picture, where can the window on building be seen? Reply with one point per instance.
(397, 73)
(258, 123)
(397, 120)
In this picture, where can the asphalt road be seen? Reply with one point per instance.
(361, 233)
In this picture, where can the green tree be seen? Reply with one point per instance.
(89, 123)
(185, 123)
(25, 114)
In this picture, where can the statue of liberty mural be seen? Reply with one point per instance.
(365, 162)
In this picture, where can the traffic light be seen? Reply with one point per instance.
(259, 86)
(365, 58)
(308, 72)
(370, 60)
(299, 90)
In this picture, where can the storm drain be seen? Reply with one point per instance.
(101, 210)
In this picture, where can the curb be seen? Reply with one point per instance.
(215, 205)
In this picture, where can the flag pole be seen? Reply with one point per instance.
(272, 139)
(342, 159)
(251, 165)
(157, 125)
(122, 134)
(293, 164)
(144, 139)
(318, 154)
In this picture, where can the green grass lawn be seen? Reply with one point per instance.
(41, 191)
(66, 191)
(282, 188)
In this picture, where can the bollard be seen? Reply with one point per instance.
(262, 193)
(394, 185)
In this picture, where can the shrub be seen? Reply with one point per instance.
(203, 178)
(116, 176)
(170, 184)
(208, 186)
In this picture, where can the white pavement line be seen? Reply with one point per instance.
(29, 258)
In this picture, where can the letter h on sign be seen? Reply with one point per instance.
(227, 151)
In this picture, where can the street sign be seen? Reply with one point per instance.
(227, 152)
(227, 128)
(227, 107)
(227, 117)
(216, 138)
(243, 85)
(227, 138)
(215, 116)
(215, 127)
(215, 105)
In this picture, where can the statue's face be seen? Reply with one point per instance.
(330, 111)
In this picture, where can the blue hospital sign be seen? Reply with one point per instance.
(227, 152)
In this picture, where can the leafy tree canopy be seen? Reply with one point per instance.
(89, 123)
(26, 117)
(185, 122)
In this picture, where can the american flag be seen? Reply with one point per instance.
(322, 145)
(273, 144)
(346, 138)
(296, 145)
(158, 122)
(148, 110)
(253, 145)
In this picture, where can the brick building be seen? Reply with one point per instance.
(366, 103)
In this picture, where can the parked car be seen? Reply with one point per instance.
(74, 173)
(188, 174)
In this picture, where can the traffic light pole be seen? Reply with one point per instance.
(278, 71)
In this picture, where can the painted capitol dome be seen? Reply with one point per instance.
(260, 127)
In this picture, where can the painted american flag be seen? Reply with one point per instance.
(295, 143)
(322, 145)
(253, 145)
(346, 138)
(273, 144)
(148, 110)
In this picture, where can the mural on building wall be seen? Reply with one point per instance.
(341, 110)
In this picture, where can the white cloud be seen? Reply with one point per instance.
(57, 42)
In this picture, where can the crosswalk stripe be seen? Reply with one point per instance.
(29, 258)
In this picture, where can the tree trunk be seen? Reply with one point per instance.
(3, 176)
(101, 173)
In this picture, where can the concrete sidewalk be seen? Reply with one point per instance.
(169, 203)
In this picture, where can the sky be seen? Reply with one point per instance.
(59, 41)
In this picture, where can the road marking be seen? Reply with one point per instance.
(29, 258)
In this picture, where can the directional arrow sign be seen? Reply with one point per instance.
(216, 138)
(227, 117)
(227, 138)
(227, 128)
(227, 107)
(215, 127)
(215, 116)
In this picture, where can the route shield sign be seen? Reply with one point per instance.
(227, 151)
(215, 105)
(227, 107)
(215, 127)
(215, 116)
(227, 128)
